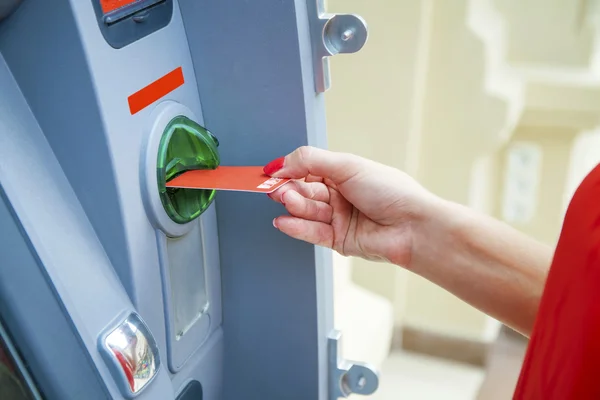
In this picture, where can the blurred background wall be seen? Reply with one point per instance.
(490, 103)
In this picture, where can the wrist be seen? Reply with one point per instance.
(434, 234)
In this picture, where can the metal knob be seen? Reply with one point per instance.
(344, 34)
(332, 34)
(348, 377)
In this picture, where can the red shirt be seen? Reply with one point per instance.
(563, 358)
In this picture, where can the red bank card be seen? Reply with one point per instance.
(243, 179)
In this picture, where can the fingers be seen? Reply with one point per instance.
(313, 232)
(311, 190)
(312, 161)
(301, 207)
(312, 178)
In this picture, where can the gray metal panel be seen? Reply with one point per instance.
(254, 73)
(205, 366)
(29, 306)
(77, 86)
(28, 302)
(120, 27)
(256, 81)
(50, 66)
(67, 253)
(7, 7)
(116, 75)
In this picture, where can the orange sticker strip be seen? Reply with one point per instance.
(155, 91)
(111, 5)
(244, 179)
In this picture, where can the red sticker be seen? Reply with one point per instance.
(156, 90)
(112, 5)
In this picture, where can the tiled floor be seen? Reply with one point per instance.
(408, 376)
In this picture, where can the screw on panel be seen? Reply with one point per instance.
(347, 35)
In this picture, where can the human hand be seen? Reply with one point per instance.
(353, 205)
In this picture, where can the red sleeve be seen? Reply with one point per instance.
(563, 358)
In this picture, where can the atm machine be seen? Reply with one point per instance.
(113, 286)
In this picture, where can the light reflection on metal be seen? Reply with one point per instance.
(134, 354)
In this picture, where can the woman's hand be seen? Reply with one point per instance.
(350, 204)
(361, 208)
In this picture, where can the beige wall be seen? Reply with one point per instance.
(378, 98)
(585, 155)
(548, 32)
(461, 123)
(370, 101)
(417, 97)
(556, 145)
(429, 307)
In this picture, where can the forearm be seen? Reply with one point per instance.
(485, 262)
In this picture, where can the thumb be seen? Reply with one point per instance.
(307, 160)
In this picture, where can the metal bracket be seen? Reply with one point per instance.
(347, 377)
(332, 34)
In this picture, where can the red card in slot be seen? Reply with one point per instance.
(243, 179)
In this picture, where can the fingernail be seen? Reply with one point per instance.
(274, 166)
(282, 198)
(275, 222)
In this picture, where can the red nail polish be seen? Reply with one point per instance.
(274, 166)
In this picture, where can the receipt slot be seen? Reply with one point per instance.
(113, 285)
